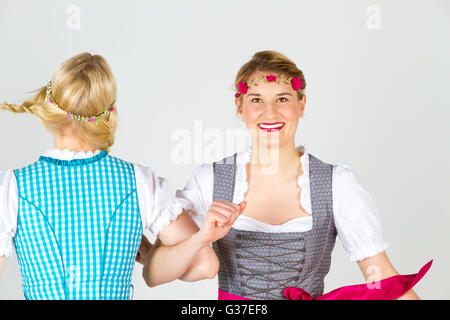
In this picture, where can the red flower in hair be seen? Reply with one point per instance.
(242, 87)
(296, 83)
(271, 78)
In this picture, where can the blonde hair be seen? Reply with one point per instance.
(270, 61)
(82, 85)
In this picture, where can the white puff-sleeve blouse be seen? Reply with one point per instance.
(355, 213)
(157, 204)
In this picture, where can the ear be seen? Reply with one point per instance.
(301, 105)
(238, 104)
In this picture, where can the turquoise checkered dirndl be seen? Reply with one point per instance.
(79, 228)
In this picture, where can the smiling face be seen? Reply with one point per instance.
(271, 110)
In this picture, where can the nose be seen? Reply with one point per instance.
(270, 110)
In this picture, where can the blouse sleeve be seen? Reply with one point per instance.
(8, 211)
(199, 192)
(356, 215)
(157, 203)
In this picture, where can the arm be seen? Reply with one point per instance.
(359, 228)
(164, 264)
(8, 215)
(2, 264)
(159, 266)
(378, 268)
(205, 264)
(156, 204)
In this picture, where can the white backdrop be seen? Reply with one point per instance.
(377, 76)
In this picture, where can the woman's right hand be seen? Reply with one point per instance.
(219, 220)
(143, 250)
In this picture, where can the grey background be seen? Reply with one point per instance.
(376, 99)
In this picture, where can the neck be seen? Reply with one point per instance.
(69, 142)
(274, 160)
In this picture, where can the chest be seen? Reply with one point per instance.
(274, 202)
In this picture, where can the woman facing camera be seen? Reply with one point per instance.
(296, 204)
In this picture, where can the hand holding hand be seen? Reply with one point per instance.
(219, 220)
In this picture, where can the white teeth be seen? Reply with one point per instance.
(270, 126)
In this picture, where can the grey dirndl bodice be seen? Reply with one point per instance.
(260, 265)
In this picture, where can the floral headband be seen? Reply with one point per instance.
(295, 82)
(96, 119)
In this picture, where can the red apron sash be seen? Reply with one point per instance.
(387, 289)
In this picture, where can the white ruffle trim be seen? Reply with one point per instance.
(66, 154)
(169, 210)
(368, 252)
(6, 244)
(241, 186)
(303, 181)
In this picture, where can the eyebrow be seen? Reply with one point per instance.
(278, 94)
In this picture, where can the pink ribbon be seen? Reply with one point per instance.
(387, 289)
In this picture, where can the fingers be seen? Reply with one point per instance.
(145, 246)
(242, 204)
(228, 206)
(225, 213)
(240, 208)
(218, 217)
(228, 209)
(143, 250)
(225, 209)
(139, 258)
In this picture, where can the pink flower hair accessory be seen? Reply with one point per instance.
(295, 82)
(271, 78)
(49, 97)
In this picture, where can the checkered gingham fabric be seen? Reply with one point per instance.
(79, 228)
